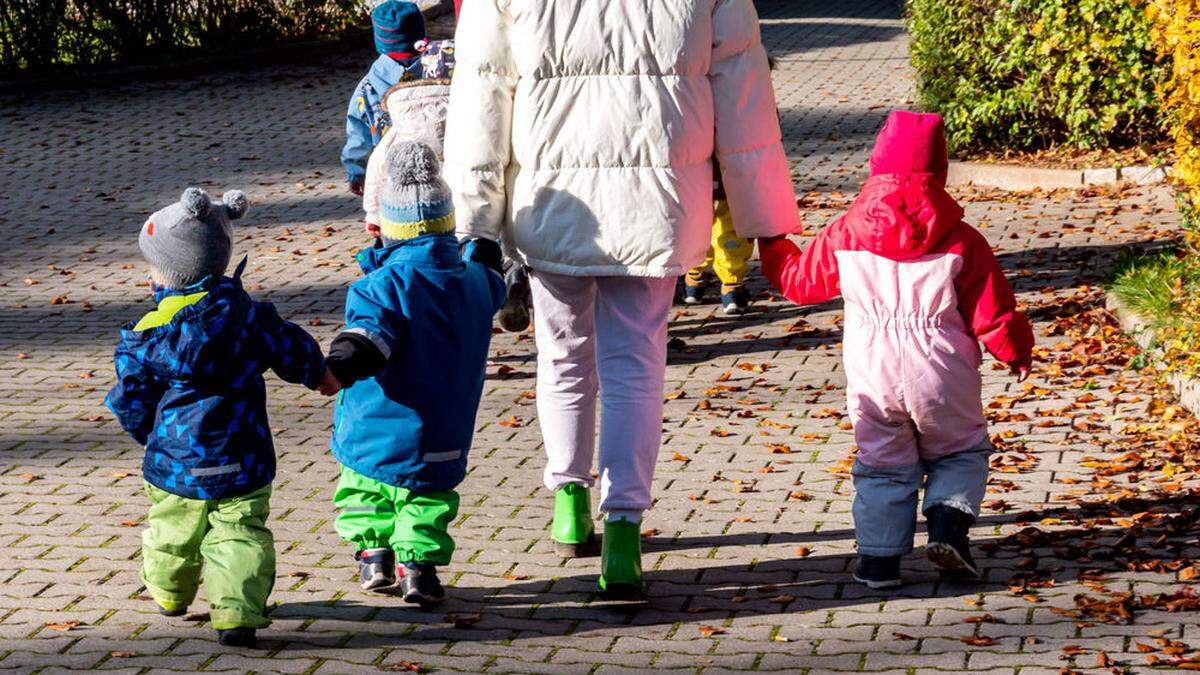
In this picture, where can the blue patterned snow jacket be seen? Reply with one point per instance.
(190, 387)
(429, 313)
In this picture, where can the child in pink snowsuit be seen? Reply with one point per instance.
(921, 289)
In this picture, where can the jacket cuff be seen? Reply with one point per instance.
(355, 355)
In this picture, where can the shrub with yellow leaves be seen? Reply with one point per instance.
(1176, 31)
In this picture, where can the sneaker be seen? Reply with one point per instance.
(693, 294)
(376, 568)
(237, 637)
(735, 300)
(621, 561)
(949, 547)
(419, 584)
(573, 532)
(514, 313)
(878, 572)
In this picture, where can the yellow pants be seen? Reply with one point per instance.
(728, 254)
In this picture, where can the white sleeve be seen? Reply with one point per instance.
(749, 146)
(478, 144)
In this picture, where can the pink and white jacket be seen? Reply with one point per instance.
(920, 287)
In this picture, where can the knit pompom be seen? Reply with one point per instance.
(235, 203)
(411, 162)
(196, 202)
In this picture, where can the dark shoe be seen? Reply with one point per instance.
(237, 637)
(735, 300)
(376, 568)
(514, 313)
(693, 294)
(572, 531)
(419, 584)
(949, 546)
(175, 611)
(878, 572)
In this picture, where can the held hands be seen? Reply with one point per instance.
(329, 385)
(1022, 372)
(356, 187)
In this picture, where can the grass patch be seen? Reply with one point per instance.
(1159, 285)
(1164, 290)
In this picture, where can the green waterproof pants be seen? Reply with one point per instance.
(230, 536)
(378, 515)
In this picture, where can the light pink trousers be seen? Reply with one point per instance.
(606, 338)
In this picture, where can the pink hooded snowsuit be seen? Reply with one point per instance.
(920, 287)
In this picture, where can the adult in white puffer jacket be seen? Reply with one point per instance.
(582, 133)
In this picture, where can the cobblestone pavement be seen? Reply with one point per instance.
(750, 543)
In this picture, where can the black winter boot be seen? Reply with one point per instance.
(376, 569)
(419, 584)
(237, 637)
(949, 546)
(878, 572)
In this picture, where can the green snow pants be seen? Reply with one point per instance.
(378, 515)
(230, 535)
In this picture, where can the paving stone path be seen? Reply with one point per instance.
(749, 545)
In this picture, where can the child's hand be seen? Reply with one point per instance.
(356, 187)
(1022, 372)
(329, 385)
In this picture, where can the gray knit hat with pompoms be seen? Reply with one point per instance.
(192, 239)
(415, 201)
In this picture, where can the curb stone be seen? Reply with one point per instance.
(1018, 178)
(1186, 388)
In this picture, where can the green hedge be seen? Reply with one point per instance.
(1030, 74)
(40, 35)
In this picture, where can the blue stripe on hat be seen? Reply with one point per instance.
(412, 211)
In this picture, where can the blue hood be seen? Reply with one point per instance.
(386, 72)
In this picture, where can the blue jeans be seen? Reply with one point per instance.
(885, 500)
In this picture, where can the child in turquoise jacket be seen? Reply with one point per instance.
(399, 31)
(412, 361)
(190, 389)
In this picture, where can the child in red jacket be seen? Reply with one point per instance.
(921, 289)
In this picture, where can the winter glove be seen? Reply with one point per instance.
(485, 252)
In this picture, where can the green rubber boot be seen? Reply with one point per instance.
(621, 561)
(573, 532)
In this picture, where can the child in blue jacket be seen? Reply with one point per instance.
(411, 360)
(399, 31)
(190, 389)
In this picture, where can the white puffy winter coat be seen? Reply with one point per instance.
(582, 132)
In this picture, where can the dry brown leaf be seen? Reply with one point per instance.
(403, 667)
(463, 620)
